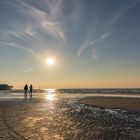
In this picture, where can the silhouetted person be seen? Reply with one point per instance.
(25, 90)
(31, 90)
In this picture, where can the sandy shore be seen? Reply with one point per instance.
(65, 119)
(132, 104)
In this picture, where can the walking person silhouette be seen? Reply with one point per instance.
(31, 90)
(25, 90)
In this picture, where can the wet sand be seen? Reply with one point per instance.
(132, 104)
(65, 119)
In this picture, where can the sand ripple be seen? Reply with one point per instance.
(66, 120)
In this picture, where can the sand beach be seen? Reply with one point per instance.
(56, 116)
(132, 104)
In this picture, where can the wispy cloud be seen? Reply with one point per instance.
(122, 12)
(40, 25)
(52, 19)
(28, 70)
(89, 43)
(104, 36)
(28, 50)
(27, 34)
(48, 21)
(14, 45)
(85, 46)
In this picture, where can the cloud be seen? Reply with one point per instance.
(122, 12)
(85, 46)
(14, 45)
(39, 20)
(105, 35)
(42, 22)
(106, 28)
(28, 70)
(31, 51)
(89, 43)
(25, 34)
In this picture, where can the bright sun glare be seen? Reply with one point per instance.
(50, 61)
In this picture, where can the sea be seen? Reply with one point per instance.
(16, 94)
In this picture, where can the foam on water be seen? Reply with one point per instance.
(51, 94)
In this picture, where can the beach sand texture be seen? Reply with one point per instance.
(65, 119)
(111, 102)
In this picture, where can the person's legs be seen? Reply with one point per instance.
(30, 94)
(25, 94)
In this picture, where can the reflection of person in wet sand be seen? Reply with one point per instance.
(31, 90)
(25, 90)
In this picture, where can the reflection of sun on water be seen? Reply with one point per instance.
(51, 90)
(50, 94)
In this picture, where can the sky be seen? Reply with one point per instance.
(94, 43)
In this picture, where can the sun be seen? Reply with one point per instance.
(50, 61)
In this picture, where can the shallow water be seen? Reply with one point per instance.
(59, 116)
(51, 93)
